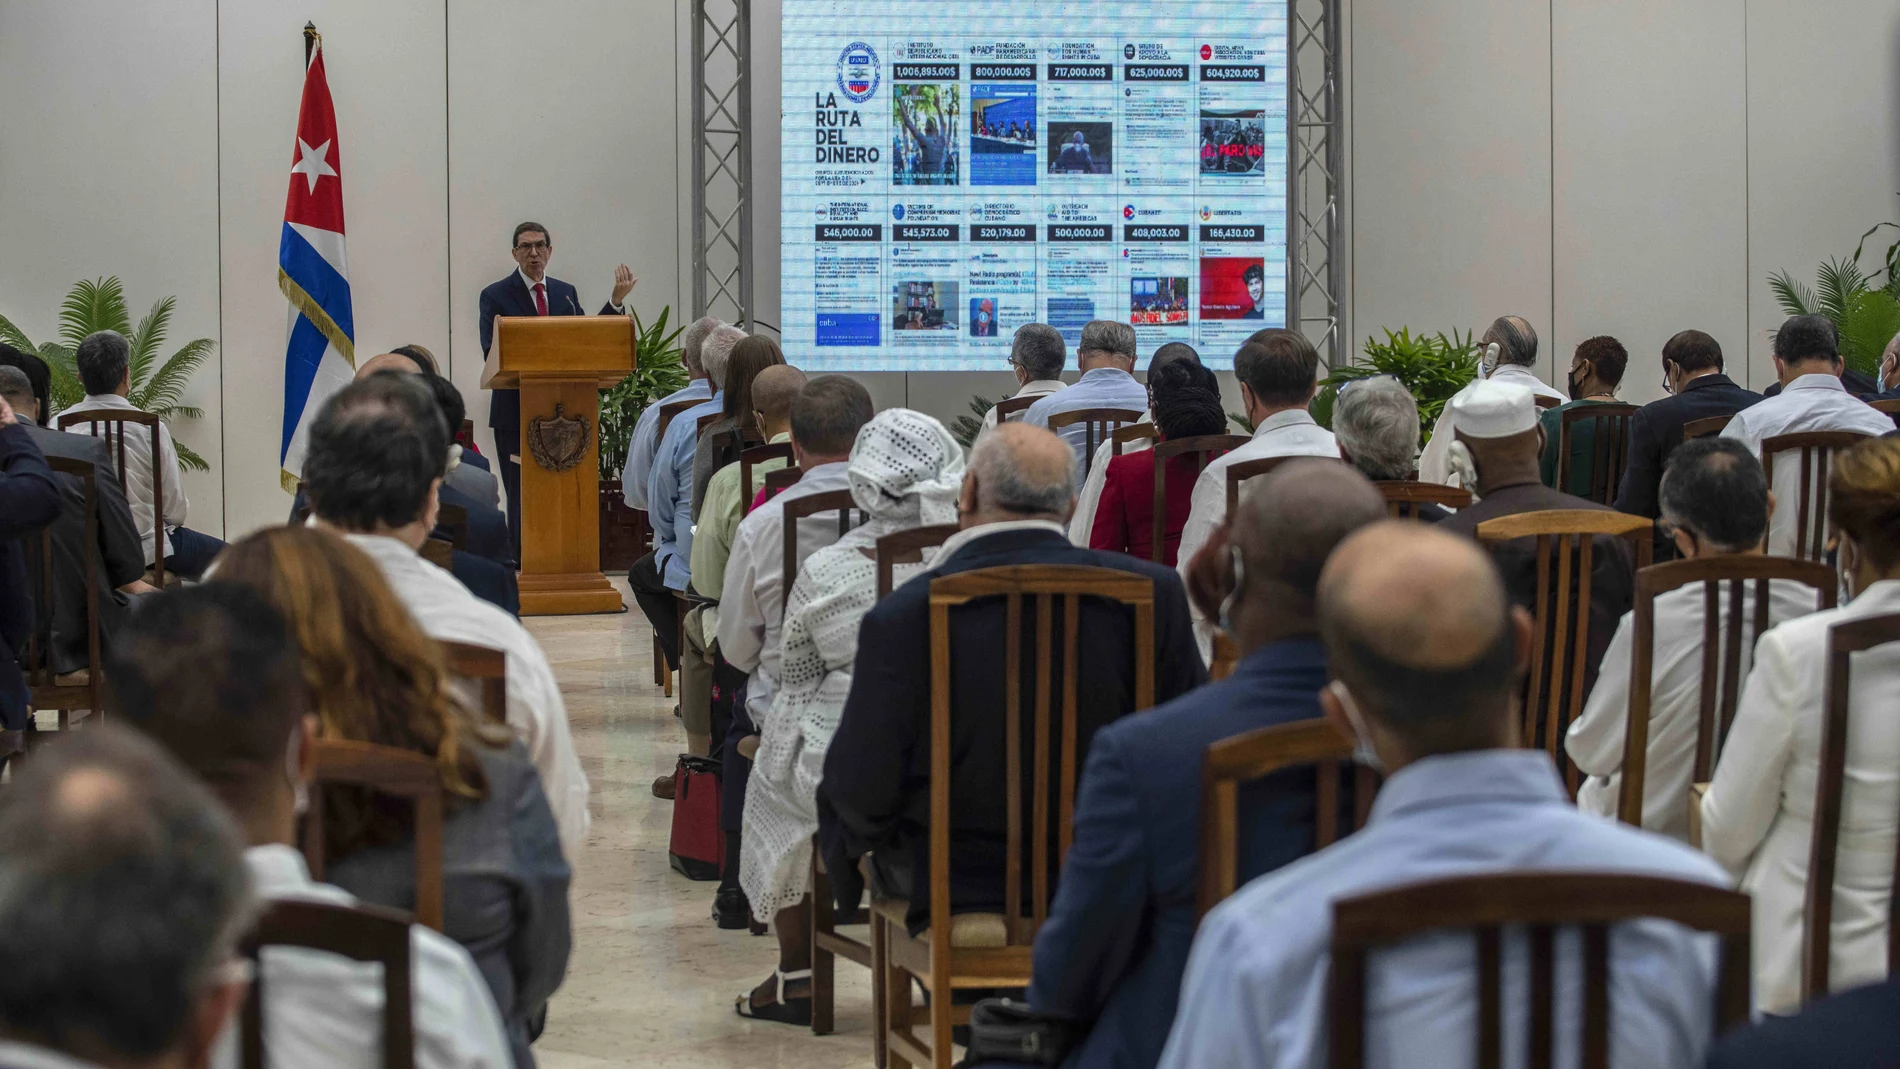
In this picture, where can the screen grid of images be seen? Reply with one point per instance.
(942, 187)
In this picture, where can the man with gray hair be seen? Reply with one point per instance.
(646, 431)
(1037, 354)
(123, 895)
(1506, 353)
(875, 795)
(1375, 421)
(1106, 355)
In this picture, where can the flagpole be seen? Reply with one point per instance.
(310, 38)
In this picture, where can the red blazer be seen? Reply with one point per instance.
(1124, 520)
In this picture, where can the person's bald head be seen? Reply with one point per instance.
(399, 362)
(1516, 340)
(1019, 472)
(772, 394)
(1285, 528)
(1419, 630)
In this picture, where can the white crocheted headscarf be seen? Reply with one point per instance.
(906, 471)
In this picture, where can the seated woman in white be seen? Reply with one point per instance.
(1759, 811)
(905, 472)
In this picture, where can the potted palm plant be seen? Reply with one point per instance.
(657, 371)
(1432, 368)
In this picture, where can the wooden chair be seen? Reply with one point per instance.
(1225, 657)
(438, 551)
(1247, 469)
(1098, 424)
(362, 933)
(1255, 755)
(1546, 401)
(1404, 496)
(752, 458)
(48, 692)
(907, 547)
(932, 960)
(1609, 452)
(777, 481)
(487, 668)
(1702, 428)
(454, 520)
(1843, 641)
(1891, 408)
(1722, 643)
(111, 427)
(1203, 448)
(1812, 530)
(1560, 635)
(1540, 903)
(400, 774)
(1126, 436)
(1012, 407)
(839, 501)
(662, 675)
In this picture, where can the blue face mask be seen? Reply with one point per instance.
(1362, 751)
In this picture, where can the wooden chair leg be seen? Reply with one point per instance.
(942, 1016)
(896, 1015)
(823, 994)
(880, 1018)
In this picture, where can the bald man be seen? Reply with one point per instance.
(1116, 942)
(1017, 496)
(1426, 652)
(1515, 361)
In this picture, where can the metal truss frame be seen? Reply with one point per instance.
(722, 160)
(1316, 165)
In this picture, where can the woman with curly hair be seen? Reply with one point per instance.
(1186, 405)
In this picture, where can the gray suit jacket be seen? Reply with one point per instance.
(476, 483)
(119, 548)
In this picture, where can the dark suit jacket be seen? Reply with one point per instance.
(1858, 1029)
(1656, 430)
(510, 297)
(876, 789)
(487, 528)
(29, 500)
(1116, 942)
(119, 549)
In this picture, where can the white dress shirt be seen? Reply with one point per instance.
(445, 610)
(27, 1056)
(1759, 811)
(1595, 741)
(1434, 464)
(548, 293)
(138, 467)
(1809, 403)
(1034, 388)
(1102, 387)
(752, 600)
(1082, 524)
(323, 1011)
(646, 440)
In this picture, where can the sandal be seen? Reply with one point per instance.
(795, 1011)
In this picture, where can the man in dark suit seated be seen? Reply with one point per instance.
(1858, 1029)
(1112, 953)
(29, 500)
(876, 790)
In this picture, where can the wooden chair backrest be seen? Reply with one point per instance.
(753, 457)
(1053, 719)
(1012, 407)
(485, 666)
(1203, 448)
(1248, 469)
(1098, 424)
(1891, 407)
(706, 421)
(839, 501)
(777, 481)
(1139, 432)
(111, 427)
(1225, 657)
(1404, 496)
(1812, 528)
(1544, 400)
(1609, 452)
(1843, 641)
(671, 409)
(454, 518)
(400, 774)
(1540, 903)
(1702, 428)
(438, 551)
(361, 933)
(907, 547)
(1560, 636)
(39, 652)
(1722, 644)
(1255, 755)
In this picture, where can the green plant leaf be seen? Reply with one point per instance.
(965, 428)
(166, 385)
(1795, 298)
(1872, 320)
(67, 390)
(1839, 281)
(189, 459)
(658, 371)
(147, 338)
(93, 305)
(14, 336)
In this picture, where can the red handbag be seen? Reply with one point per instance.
(698, 847)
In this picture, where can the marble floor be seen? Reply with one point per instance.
(651, 981)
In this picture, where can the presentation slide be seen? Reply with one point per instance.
(954, 170)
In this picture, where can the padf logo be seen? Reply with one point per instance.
(858, 72)
(1128, 212)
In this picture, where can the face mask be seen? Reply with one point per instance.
(1490, 361)
(1845, 564)
(1464, 467)
(1574, 386)
(293, 756)
(1362, 751)
(1233, 596)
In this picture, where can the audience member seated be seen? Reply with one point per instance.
(875, 794)
(1858, 1029)
(375, 677)
(1596, 370)
(1082, 524)
(123, 895)
(1889, 370)
(1715, 503)
(1037, 354)
(213, 674)
(105, 370)
(1186, 404)
(660, 574)
(39, 373)
(725, 438)
(376, 455)
(1376, 422)
(1759, 810)
(1106, 355)
(29, 500)
(1808, 366)
(1427, 653)
(646, 429)
(1513, 361)
(121, 558)
(826, 417)
(1111, 955)
(1499, 441)
(1697, 389)
(905, 471)
(468, 470)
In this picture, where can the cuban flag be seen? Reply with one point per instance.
(313, 272)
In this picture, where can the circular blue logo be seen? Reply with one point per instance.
(897, 211)
(858, 72)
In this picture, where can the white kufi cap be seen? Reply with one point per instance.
(1491, 409)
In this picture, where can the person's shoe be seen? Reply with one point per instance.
(730, 909)
(663, 788)
(781, 1010)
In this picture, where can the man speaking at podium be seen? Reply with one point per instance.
(528, 291)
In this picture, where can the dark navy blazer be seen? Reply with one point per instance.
(1858, 1029)
(510, 297)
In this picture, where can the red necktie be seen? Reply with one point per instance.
(540, 299)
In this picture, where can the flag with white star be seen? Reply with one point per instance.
(313, 272)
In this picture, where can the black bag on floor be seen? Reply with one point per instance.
(1005, 1030)
(698, 846)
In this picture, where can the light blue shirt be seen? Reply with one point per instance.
(1255, 993)
(670, 493)
(646, 438)
(1102, 387)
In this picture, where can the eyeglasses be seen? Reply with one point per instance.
(534, 246)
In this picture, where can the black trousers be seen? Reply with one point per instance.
(658, 601)
(508, 444)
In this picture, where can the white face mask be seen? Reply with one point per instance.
(1464, 467)
(1490, 361)
(1362, 751)
(293, 759)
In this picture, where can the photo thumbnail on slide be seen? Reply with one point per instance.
(1157, 301)
(925, 148)
(1233, 287)
(982, 317)
(1003, 135)
(924, 305)
(1081, 148)
(1233, 142)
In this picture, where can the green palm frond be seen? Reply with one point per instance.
(189, 459)
(67, 390)
(14, 336)
(149, 335)
(1795, 298)
(163, 387)
(1892, 259)
(1835, 286)
(1433, 368)
(1872, 320)
(93, 305)
(171, 412)
(965, 428)
(658, 370)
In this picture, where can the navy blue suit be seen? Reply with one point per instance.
(1858, 1029)
(876, 789)
(1116, 943)
(29, 500)
(1655, 432)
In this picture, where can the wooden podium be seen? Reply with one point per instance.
(559, 363)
